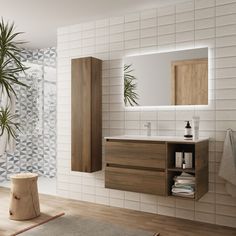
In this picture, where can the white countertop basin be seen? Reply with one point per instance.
(157, 138)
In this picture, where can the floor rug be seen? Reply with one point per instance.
(83, 226)
(38, 224)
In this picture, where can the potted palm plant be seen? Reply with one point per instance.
(10, 68)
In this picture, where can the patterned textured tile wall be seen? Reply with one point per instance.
(36, 109)
(193, 24)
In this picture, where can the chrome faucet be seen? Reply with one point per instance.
(149, 127)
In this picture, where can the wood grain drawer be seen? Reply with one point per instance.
(143, 154)
(143, 181)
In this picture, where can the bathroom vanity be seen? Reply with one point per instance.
(146, 164)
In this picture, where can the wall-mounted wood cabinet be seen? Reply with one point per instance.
(148, 166)
(86, 114)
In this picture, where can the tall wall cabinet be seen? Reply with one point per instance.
(86, 114)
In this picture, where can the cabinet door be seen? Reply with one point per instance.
(81, 114)
(143, 181)
(140, 154)
(86, 114)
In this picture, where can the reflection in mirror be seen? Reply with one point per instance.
(162, 79)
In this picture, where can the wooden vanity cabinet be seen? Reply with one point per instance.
(149, 166)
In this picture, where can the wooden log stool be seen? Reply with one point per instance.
(24, 202)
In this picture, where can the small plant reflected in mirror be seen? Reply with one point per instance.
(130, 86)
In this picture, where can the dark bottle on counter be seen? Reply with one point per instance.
(188, 131)
(183, 164)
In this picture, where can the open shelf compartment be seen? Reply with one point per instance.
(199, 169)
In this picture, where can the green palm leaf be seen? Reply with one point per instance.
(10, 64)
(10, 68)
(7, 123)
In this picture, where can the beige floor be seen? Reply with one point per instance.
(167, 226)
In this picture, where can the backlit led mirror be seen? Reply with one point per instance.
(162, 79)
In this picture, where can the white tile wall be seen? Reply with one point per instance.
(196, 23)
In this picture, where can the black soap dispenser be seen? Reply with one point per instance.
(188, 131)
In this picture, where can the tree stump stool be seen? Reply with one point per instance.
(24, 202)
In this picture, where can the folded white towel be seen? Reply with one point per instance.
(182, 190)
(185, 175)
(189, 195)
(227, 169)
